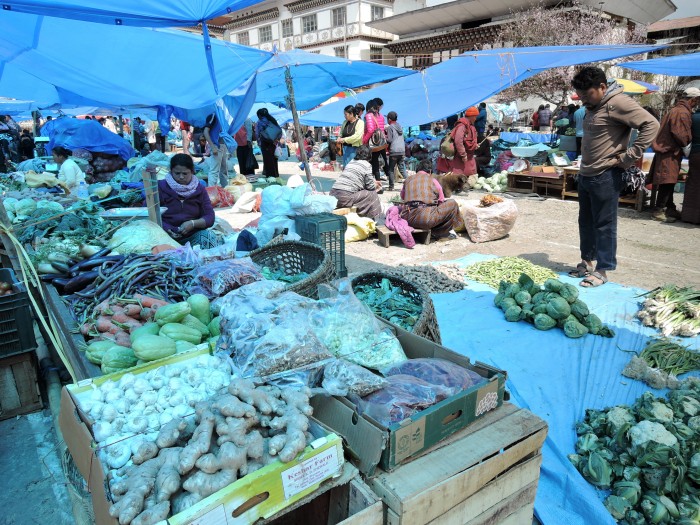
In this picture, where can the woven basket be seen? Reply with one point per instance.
(295, 257)
(427, 325)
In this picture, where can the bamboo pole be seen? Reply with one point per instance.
(297, 126)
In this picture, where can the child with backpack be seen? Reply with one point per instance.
(397, 148)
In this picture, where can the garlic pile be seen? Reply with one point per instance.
(128, 413)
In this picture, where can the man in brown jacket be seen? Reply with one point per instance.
(610, 118)
(674, 135)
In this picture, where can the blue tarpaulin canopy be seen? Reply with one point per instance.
(451, 86)
(143, 13)
(96, 64)
(678, 66)
(281, 115)
(317, 77)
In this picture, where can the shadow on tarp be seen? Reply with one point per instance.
(553, 376)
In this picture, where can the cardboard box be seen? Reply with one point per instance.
(258, 495)
(371, 444)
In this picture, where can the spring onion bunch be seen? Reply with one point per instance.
(673, 310)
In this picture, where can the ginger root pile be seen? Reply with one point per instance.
(237, 432)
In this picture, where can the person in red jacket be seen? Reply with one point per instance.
(466, 143)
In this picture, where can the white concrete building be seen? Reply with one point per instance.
(331, 27)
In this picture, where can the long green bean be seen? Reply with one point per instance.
(670, 357)
(508, 269)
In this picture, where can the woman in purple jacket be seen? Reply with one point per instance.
(189, 212)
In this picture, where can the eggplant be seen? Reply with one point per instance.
(101, 253)
(79, 282)
(48, 277)
(60, 284)
(93, 262)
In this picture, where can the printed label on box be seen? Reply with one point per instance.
(310, 472)
(409, 440)
(216, 516)
(487, 398)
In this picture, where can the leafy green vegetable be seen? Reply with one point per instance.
(579, 310)
(569, 292)
(558, 308)
(617, 506)
(574, 329)
(513, 314)
(522, 298)
(544, 322)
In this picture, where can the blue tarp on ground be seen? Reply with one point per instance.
(75, 133)
(555, 377)
(679, 65)
(317, 77)
(116, 65)
(452, 86)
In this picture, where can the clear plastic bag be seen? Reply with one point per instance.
(402, 397)
(438, 372)
(341, 377)
(350, 330)
(220, 277)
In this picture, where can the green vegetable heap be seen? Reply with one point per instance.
(494, 271)
(648, 455)
(555, 304)
(390, 303)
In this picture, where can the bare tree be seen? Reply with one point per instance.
(573, 24)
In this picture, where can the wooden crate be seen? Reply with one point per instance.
(349, 502)
(487, 473)
(19, 386)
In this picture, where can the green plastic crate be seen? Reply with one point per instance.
(328, 231)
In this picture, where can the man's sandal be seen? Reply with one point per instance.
(582, 270)
(594, 280)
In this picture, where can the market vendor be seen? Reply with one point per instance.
(425, 209)
(357, 187)
(69, 172)
(189, 211)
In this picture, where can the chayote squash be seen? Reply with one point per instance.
(215, 327)
(183, 346)
(513, 314)
(147, 329)
(96, 350)
(195, 323)
(558, 308)
(151, 347)
(574, 329)
(522, 298)
(178, 332)
(172, 313)
(200, 307)
(544, 322)
(118, 358)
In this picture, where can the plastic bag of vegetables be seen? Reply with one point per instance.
(140, 237)
(491, 223)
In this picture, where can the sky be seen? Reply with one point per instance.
(686, 8)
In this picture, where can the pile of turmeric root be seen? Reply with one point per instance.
(237, 432)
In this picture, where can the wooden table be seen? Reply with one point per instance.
(571, 172)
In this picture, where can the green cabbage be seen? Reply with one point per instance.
(513, 314)
(522, 298)
(25, 207)
(553, 285)
(52, 206)
(580, 310)
(569, 292)
(507, 302)
(574, 329)
(558, 308)
(10, 204)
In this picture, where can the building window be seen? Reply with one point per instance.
(265, 34)
(316, 52)
(339, 16)
(287, 28)
(243, 38)
(309, 23)
(340, 52)
(375, 54)
(377, 12)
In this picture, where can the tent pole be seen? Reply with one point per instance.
(150, 184)
(121, 125)
(295, 116)
(35, 123)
